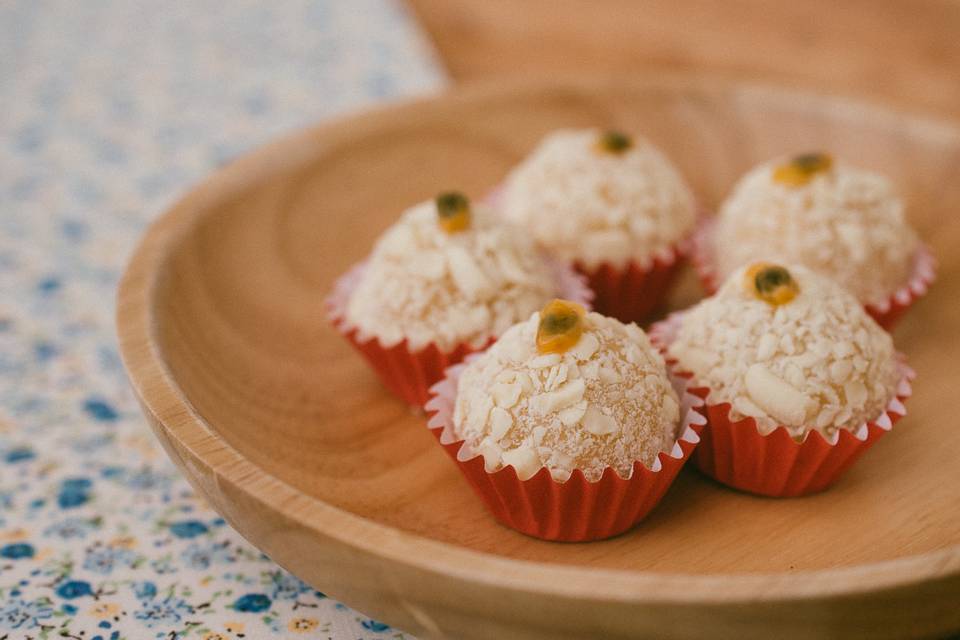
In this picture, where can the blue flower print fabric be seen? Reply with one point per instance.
(109, 110)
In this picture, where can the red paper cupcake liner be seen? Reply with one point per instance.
(576, 510)
(890, 311)
(409, 374)
(887, 313)
(736, 454)
(632, 292)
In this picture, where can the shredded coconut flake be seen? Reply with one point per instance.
(562, 413)
(587, 206)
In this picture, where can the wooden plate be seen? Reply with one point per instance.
(282, 427)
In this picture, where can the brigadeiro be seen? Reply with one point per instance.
(568, 427)
(798, 380)
(612, 205)
(837, 219)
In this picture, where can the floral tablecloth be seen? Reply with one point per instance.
(108, 110)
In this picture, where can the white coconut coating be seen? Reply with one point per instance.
(846, 223)
(816, 362)
(607, 401)
(426, 285)
(583, 204)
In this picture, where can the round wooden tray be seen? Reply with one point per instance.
(283, 428)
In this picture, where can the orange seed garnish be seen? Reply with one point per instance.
(771, 283)
(561, 325)
(614, 142)
(453, 211)
(801, 169)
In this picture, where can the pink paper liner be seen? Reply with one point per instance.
(409, 374)
(630, 293)
(576, 510)
(701, 255)
(736, 454)
(887, 313)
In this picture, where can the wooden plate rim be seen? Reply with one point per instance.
(169, 409)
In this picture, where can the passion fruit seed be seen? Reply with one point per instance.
(614, 142)
(801, 169)
(561, 325)
(771, 283)
(453, 211)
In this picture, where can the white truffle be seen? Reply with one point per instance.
(816, 362)
(425, 285)
(566, 415)
(585, 205)
(846, 223)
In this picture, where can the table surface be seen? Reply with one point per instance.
(904, 52)
(110, 110)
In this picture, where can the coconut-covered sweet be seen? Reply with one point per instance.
(788, 347)
(591, 196)
(836, 219)
(568, 390)
(449, 272)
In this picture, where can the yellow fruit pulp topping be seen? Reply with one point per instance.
(561, 325)
(802, 169)
(453, 211)
(771, 283)
(614, 142)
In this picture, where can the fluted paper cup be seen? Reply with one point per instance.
(576, 510)
(735, 453)
(632, 292)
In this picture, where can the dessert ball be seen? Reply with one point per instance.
(449, 272)
(833, 218)
(590, 197)
(568, 390)
(789, 347)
